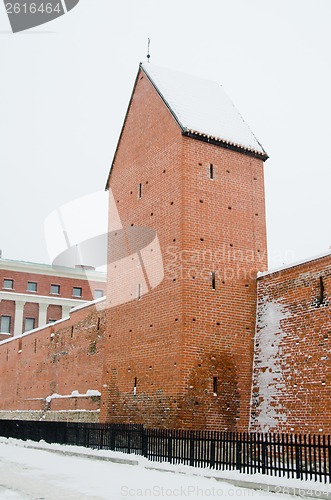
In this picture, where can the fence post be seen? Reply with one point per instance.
(144, 446)
(212, 450)
(25, 431)
(101, 433)
(192, 443)
(297, 456)
(169, 447)
(264, 454)
(112, 437)
(238, 452)
(77, 434)
(86, 437)
(65, 433)
(129, 440)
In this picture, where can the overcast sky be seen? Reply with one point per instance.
(65, 86)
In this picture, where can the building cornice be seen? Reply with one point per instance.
(225, 144)
(48, 270)
(42, 299)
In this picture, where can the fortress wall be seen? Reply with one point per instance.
(60, 359)
(292, 365)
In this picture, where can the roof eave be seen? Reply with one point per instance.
(185, 131)
(225, 144)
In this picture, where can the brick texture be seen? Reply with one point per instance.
(185, 354)
(178, 338)
(57, 359)
(291, 379)
(292, 375)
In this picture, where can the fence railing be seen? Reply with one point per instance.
(295, 456)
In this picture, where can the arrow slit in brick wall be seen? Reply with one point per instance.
(322, 292)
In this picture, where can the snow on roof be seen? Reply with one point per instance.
(201, 107)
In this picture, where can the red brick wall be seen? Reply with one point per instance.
(54, 312)
(292, 374)
(224, 232)
(57, 359)
(181, 335)
(145, 336)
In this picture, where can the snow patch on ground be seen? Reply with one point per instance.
(27, 472)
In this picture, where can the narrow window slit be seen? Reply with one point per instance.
(213, 281)
(135, 387)
(211, 171)
(321, 298)
(215, 386)
(140, 191)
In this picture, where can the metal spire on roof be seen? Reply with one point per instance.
(148, 45)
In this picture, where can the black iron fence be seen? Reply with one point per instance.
(295, 456)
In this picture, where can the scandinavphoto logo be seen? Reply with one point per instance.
(26, 14)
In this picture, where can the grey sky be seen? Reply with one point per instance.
(65, 86)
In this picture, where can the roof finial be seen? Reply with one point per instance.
(148, 45)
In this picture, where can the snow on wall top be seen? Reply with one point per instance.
(294, 264)
(201, 106)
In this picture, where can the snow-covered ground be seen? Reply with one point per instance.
(54, 473)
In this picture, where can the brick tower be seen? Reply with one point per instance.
(188, 166)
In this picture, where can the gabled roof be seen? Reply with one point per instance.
(202, 110)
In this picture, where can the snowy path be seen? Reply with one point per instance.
(37, 474)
